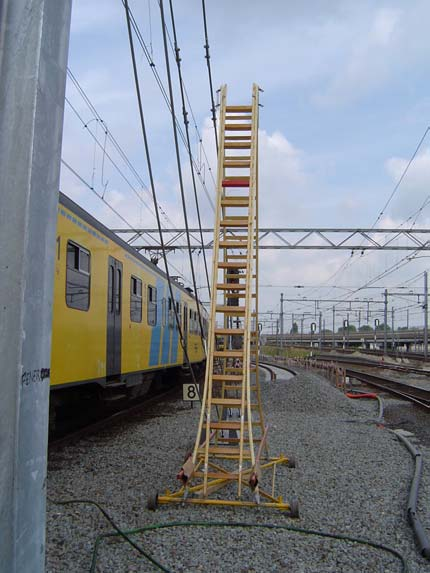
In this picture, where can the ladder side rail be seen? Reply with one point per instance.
(212, 323)
(257, 332)
(210, 350)
(246, 390)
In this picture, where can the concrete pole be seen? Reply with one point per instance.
(359, 320)
(385, 319)
(319, 330)
(301, 329)
(392, 328)
(333, 335)
(426, 316)
(34, 39)
(407, 318)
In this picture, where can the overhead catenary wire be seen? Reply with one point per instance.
(187, 132)
(154, 194)
(208, 61)
(178, 157)
(154, 70)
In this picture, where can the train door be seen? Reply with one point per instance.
(114, 313)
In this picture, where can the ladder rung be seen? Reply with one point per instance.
(230, 182)
(241, 117)
(229, 451)
(235, 201)
(228, 353)
(241, 276)
(227, 401)
(238, 109)
(236, 310)
(237, 145)
(229, 331)
(237, 158)
(230, 265)
(238, 126)
(237, 164)
(230, 286)
(224, 425)
(238, 295)
(233, 245)
(236, 137)
(227, 377)
(232, 223)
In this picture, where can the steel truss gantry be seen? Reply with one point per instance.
(231, 446)
(349, 239)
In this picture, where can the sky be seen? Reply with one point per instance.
(345, 103)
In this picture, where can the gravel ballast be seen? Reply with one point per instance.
(352, 477)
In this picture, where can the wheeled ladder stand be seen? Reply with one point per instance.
(231, 451)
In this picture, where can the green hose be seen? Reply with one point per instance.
(125, 534)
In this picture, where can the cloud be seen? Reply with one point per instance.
(368, 59)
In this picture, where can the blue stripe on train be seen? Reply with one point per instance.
(156, 330)
(175, 338)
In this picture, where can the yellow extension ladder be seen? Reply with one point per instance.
(231, 448)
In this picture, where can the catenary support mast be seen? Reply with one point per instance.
(34, 37)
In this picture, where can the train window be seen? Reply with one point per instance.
(135, 299)
(152, 305)
(118, 291)
(77, 277)
(111, 287)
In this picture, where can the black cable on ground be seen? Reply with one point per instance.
(422, 539)
(245, 525)
(119, 531)
(154, 194)
(125, 534)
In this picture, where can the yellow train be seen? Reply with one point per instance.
(113, 319)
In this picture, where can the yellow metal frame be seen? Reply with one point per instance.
(217, 460)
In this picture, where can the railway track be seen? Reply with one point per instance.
(415, 394)
(87, 429)
(372, 364)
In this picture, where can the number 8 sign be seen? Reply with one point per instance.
(190, 392)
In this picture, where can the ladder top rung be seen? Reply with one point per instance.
(238, 108)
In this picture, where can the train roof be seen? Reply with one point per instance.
(80, 212)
